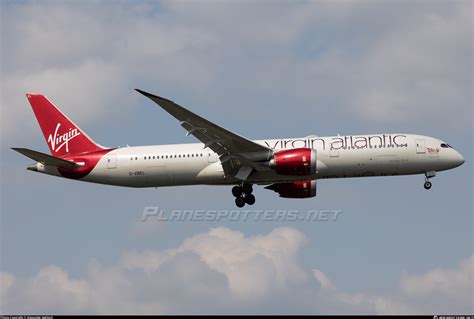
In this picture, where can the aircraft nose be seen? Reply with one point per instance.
(458, 159)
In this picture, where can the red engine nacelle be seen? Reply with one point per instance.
(297, 161)
(304, 189)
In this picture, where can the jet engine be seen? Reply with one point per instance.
(302, 189)
(297, 161)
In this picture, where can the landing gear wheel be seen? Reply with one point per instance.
(427, 185)
(240, 202)
(250, 199)
(247, 189)
(237, 191)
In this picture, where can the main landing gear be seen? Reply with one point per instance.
(428, 175)
(243, 195)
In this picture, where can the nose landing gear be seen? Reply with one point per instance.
(428, 175)
(243, 195)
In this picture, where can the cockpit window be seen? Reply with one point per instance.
(444, 145)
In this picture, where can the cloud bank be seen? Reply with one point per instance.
(223, 271)
(387, 62)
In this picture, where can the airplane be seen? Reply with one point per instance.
(287, 166)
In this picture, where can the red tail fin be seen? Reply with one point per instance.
(62, 135)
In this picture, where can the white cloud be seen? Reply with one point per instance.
(455, 285)
(335, 301)
(218, 271)
(384, 62)
(223, 271)
(6, 281)
(89, 86)
(255, 266)
(323, 280)
(418, 68)
(436, 291)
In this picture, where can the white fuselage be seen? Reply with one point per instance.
(337, 157)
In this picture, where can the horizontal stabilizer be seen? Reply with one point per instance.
(45, 158)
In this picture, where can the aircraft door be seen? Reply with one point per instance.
(111, 161)
(420, 146)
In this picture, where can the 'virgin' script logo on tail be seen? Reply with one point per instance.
(57, 141)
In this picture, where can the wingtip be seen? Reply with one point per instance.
(140, 91)
(17, 149)
(144, 92)
(149, 95)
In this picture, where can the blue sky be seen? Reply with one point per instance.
(262, 69)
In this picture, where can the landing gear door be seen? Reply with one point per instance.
(420, 146)
(111, 161)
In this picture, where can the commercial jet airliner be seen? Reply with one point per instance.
(287, 166)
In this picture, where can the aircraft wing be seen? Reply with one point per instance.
(45, 158)
(222, 141)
